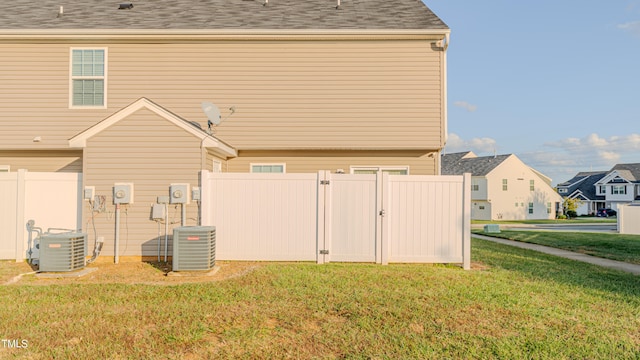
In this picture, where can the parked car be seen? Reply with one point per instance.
(606, 213)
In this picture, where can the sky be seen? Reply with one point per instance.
(555, 82)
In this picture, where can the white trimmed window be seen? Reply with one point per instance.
(618, 189)
(548, 208)
(563, 190)
(391, 170)
(602, 189)
(268, 168)
(5, 168)
(474, 185)
(88, 80)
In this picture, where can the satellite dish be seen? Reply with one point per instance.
(212, 112)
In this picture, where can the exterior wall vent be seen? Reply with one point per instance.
(194, 248)
(125, 6)
(62, 252)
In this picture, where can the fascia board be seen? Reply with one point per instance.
(165, 35)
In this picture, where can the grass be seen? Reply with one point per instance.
(605, 245)
(578, 220)
(514, 304)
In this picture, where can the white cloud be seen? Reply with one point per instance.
(465, 105)
(480, 145)
(632, 27)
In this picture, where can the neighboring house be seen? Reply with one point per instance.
(582, 188)
(503, 187)
(114, 92)
(603, 189)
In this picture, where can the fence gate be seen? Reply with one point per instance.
(339, 217)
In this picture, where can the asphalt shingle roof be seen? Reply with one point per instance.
(630, 172)
(218, 14)
(456, 164)
(585, 182)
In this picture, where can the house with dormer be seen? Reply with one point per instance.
(621, 185)
(503, 187)
(115, 91)
(582, 188)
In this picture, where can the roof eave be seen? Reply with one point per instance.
(217, 34)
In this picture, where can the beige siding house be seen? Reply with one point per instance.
(116, 93)
(504, 188)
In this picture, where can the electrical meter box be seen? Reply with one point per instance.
(122, 193)
(179, 194)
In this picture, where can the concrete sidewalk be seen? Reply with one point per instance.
(612, 264)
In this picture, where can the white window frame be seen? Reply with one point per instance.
(5, 168)
(618, 190)
(103, 77)
(602, 189)
(354, 169)
(284, 167)
(563, 190)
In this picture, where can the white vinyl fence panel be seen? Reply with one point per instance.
(629, 219)
(52, 200)
(8, 205)
(262, 216)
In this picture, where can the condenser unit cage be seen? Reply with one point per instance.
(62, 252)
(194, 248)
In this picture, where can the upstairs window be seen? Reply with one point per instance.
(563, 190)
(474, 185)
(504, 185)
(532, 186)
(88, 78)
(602, 189)
(619, 190)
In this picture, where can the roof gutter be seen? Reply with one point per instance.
(220, 34)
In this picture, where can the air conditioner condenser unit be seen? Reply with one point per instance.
(194, 248)
(62, 252)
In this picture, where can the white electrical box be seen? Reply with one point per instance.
(123, 193)
(195, 193)
(179, 194)
(88, 192)
(157, 212)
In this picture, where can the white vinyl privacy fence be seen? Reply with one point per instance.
(326, 217)
(52, 200)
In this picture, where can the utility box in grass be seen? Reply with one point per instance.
(492, 228)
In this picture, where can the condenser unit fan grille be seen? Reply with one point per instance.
(63, 252)
(194, 248)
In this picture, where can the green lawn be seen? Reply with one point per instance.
(610, 246)
(514, 304)
(578, 220)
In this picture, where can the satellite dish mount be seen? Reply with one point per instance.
(213, 114)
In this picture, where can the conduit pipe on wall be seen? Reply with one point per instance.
(117, 236)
